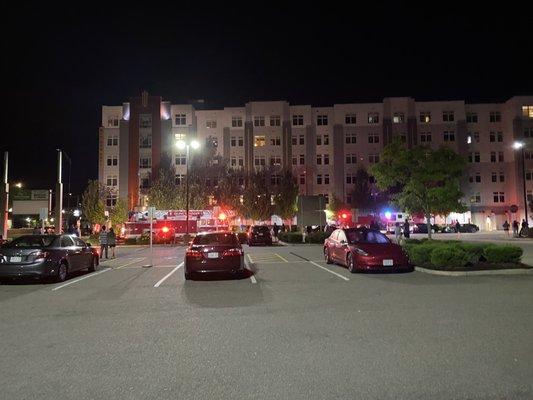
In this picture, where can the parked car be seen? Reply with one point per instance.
(464, 228)
(423, 228)
(259, 234)
(362, 249)
(46, 256)
(214, 252)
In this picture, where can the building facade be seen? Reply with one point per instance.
(325, 146)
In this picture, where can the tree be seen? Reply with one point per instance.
(256, 201)
(228, 192)
(335, 205)
(93, 202)
(164, 194)
(362, 193)
(286, 195)
(426, 180)
(119, 212)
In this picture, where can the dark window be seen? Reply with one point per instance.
(216, 238)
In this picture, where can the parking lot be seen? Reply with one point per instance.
(292, 327)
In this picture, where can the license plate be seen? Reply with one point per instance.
(259, 234)
(15, 259)
(212, 255)
(387, 263)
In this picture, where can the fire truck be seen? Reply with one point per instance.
(168, 222)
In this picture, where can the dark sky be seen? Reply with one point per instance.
(61, 65)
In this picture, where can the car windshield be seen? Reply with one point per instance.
(260, 229)
(32, 241)
(361, 236)
(216, 239)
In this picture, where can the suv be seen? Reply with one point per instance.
(259, 234)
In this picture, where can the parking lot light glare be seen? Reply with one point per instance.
(195, 144)
(518, 145)
(180, 144)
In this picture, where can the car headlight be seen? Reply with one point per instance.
(361, 251)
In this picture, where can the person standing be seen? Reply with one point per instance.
(406, 231)
(275, 228)
(506, 227)
(103, 242)
(525, 228)
(515, 228)
(112, 241)
(458, 228)
(397, 232)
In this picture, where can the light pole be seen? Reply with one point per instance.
(520, 146)
(181, 144)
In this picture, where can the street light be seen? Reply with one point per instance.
(181, 144)
(520, 146)
(18, 184)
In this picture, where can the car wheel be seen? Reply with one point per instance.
(327, 257)
(62, 272)
(350, 263)
(188, 276)
(94, 264)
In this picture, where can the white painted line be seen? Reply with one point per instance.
(155, 266)
(252, 277)
(167, 275)
(330, 271)
(281, 257)
(82, 278)
(250, 258)
(132, 262)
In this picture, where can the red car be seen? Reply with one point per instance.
(214, 252)
(362, 249)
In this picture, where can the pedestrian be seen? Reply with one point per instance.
(103, 242)
(506, 227)
(406, 231)
(398, 232)
(112, 241)
(275, 228)
(458, 228)
(524, 230)
(515, 228)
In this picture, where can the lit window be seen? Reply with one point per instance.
(527, 111)
(373, 118)
(398, 118)
(425, 117)
(259, 140)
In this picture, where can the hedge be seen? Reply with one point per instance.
(316, 237)
(441, 254)
(503, 254)
(290, 237)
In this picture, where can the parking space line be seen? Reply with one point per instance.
(281, 257)
(330, 271)
(252, 276)
(132, 262)
(81, 279)
(167, 275)
(249, 257)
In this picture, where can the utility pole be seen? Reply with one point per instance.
(59, 194)
(4, 202)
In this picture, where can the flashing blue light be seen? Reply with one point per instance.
(388, 214)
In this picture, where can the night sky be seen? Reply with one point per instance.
(61, 65)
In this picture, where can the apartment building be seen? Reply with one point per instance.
(325, 146)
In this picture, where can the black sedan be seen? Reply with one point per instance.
(259, 234)
(46, 257)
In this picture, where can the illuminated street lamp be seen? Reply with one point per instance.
(18, 184)
(181, 145)
(520, 146)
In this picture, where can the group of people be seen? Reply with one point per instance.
(400, 230)
(108, 240)
(524, 228)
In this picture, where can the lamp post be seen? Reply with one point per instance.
(520, 146)
(181, 144)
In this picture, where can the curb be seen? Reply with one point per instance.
(516, 271)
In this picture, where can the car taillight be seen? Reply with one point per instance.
(195, 254)
(38, 255)
(232, 252)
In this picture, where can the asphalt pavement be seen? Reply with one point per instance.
(291, 328)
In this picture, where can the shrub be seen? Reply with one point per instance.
(290, 237)
(451, 256)
(316, 237)
(503, 254)
(420, 254)
(475, 251)
(144, 239)
(130, 241)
